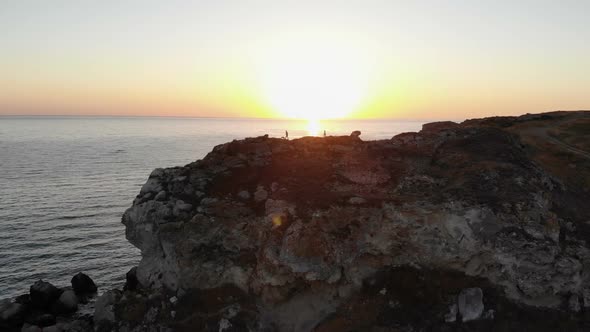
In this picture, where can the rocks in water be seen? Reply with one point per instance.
(470, 304)
(48, 308)
(83, 284)
(43, 293)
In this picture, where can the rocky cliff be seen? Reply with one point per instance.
(475, 226)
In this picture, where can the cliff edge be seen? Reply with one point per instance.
(481, 225)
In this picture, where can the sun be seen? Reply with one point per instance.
(314, 83)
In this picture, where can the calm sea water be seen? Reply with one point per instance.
(66, 181)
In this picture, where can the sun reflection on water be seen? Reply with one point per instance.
(313, 127)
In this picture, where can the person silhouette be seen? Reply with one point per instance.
(286, 134)
(324, 133)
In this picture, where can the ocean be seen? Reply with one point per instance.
(66, 181)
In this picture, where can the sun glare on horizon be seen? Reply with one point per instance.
(315, 81)
(313, 127)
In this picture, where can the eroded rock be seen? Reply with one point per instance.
(329, 214)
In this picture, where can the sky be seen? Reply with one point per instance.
(294, 59)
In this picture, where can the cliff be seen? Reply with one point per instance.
(481, 225)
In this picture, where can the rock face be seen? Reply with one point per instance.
(295, 234)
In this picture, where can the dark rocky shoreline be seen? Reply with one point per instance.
(478, 226)
(49, 308)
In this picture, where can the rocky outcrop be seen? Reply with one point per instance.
(330, 234)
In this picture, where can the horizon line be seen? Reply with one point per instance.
(264, 118)
(199, 117)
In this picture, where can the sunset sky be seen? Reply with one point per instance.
(320, 59)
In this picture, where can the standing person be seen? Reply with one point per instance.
(324, 132)
(286, 134)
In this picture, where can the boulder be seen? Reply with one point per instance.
(131, 281)
(355, 134)
(43, 293)
(83, 284)
(470, 303)
(66, 303)
(11, 314)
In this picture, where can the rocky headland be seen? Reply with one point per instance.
(477, 226)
